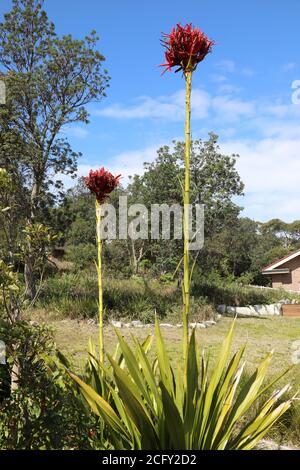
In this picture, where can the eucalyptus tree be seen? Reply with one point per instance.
(214, 183)
(50, 80)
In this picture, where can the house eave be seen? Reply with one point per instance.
(271, 272)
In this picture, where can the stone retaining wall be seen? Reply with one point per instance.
(139, 324)
(251, 310)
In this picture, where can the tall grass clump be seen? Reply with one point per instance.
(74, 295)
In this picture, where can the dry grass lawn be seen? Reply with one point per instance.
(260, 336)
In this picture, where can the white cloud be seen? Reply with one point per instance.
(172, 108)
(218, 78)
(269, 162)
(126, 163)
(226, 65)
(282, 110)
(270, 169)
(227, 88)
(76, 131)
(132, 162)
(232, 109)
(247, 72)
(164, 107)
(229, 66)
(287, 129)
(289, 66)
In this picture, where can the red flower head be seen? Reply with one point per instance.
(101, 183)
(186, 47)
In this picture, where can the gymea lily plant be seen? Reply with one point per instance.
(101, 183)
(186, 47)
(150, 405)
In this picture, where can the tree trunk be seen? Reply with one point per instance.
(134, 258)
(30, 282)
(15, 372)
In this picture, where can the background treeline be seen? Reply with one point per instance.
(235, 248)
(60, 243)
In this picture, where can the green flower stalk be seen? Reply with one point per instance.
(185, 48)
(101, 183)
(186, 222)
(100, 280)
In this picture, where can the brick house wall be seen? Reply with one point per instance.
(290, 281)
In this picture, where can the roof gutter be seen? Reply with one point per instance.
(276, 271)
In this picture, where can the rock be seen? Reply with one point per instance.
(221, 309)
(149, 325)
(127, 325)
(166, 325)
(295, 344)
(197, 325)
(136, 323)
(256, 310)
(230, 310)
(219, 317)
(269, 309)
(210, 323)
(243, 311)
(116, 324)
(179, 325)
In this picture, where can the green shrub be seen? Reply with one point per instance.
(43, 412)
(81, 255)
(200, 310)
(167, 278)
(220, 291)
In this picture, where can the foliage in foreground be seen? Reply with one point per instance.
(151, 406)
(43, 412)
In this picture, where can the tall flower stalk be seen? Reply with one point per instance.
(101, 183)
(100, 280)
(186, 222)
(185, 48)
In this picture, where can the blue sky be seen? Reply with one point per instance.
(242, 91)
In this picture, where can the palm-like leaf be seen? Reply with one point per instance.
(149, 406)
